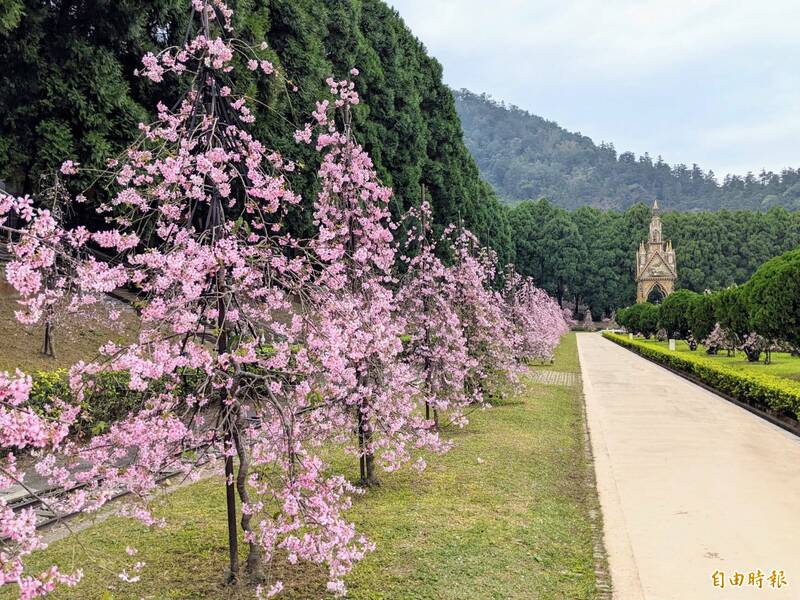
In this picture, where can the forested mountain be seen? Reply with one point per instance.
(526, 157)
(68, 90)
(588, 254)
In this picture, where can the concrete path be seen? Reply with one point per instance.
(689, 484)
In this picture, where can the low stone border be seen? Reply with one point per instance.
(548, 377)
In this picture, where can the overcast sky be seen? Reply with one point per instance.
(708, 81)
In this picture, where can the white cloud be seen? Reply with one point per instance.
(707, 81)
(591, 34)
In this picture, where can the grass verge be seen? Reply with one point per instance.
(505, 514)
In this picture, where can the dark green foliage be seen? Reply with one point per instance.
(10, 14)
(772, 297)
(716, 249)
(64, 90)
(67, 90)
(731, 311)
(640, 319)
(548, 244)
(588, 254)
(108, 401)
(526, 157)
(765, 391)
(702, 316)
(673, 315)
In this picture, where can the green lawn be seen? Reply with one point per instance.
(783, 364)
(566, 356)
(515, 524)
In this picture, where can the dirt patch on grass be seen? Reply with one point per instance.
(76, 337)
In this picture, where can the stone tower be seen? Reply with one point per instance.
(656, 268)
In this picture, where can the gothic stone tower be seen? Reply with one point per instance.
(655, 262)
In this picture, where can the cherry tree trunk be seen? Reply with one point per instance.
(367, 459)
(48, 349)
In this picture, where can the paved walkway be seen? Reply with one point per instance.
(689, 484)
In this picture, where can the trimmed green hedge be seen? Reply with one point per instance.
(109, 400)
(766, 391)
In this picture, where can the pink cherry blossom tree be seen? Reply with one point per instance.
(480, 307)
(538, 321)
(437, 347)
(22, 429)
(358, 334)
(35, 265)
(254, 349)
(195, 226)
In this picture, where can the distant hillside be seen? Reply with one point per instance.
(525, 157)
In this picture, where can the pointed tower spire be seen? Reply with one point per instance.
(655, 261)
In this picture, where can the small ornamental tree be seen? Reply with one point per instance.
(730, 308)
(538, 320)
(488, 332)
(640, 318)
(673, 313)
(358, 334)
(436, 347)
(515, 297)
(753, 345)
(549, 320)
(713, 342)
(35, 266)
(720, 338)
(701, 316)
(621, 317)
(648, 318)
(772, 296)
(195, 223)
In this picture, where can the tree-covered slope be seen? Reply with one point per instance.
(526, 157)
(588, 254)
(68, 90)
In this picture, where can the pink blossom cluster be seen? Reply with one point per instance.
(481, 308)
(437, 347)
(21, 429)
(538, 320)
(359, 322)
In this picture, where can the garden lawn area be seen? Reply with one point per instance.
(566, 356)
(505, 514)
(783, 364)
(76, 338)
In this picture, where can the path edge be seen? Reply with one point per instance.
(766, 416)
(628, 585)
(602, 573)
